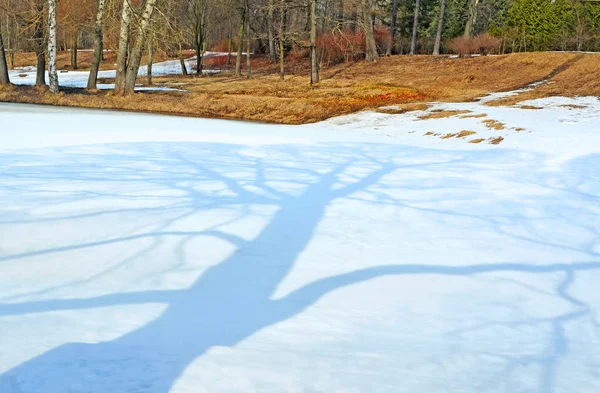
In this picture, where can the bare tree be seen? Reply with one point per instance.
(39, 43)
(240, 43)
(271, 32)
(391, 42)
(4, 78)
(98, 44)
(133, 65)
(413, 42)
(282, 40)
(52, 72)
(314, 58)
(371, 54)
(472, 16)
(440, 29)
(123, 47)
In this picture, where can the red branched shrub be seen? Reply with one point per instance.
(482, 44)
(340, 47)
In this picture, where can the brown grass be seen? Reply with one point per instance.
(478, 140)
(403, 108)
(465, 133)
(441, 114)
(531, 107)
(496, 141)
(345, 88)
(474, 116)
(578, 78)
(494, 124)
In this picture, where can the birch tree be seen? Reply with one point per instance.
(52, 72)
(123, 47)
(98, 44)
(133, 64)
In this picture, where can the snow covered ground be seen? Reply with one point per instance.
(78, 79)
(155, 254)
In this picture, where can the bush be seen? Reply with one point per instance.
(482, 44)
(338, 47)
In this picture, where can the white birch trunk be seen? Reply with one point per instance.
(52, 72)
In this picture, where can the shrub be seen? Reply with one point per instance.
(482, 44)
(485, 44)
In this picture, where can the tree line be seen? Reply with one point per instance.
(325, 31)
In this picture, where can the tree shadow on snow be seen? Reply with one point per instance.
(235, 299)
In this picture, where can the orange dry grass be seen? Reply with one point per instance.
(578, 78)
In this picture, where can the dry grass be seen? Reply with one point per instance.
(496, 141)
(478, 140)
(573, 106)
(465, 133)
(474, 116)
(494, 124)
(346, 88)
(579, 77)
(462, 134)
(441, 114)
(530, 107)
(403, 108)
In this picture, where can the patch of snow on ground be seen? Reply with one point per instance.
(78, 79)
(155, 254)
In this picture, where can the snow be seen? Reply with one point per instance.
(154, 254)
(78, 79)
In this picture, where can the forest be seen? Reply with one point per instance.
(327, 32)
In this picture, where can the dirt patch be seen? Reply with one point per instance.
(494, 124)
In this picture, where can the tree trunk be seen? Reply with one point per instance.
(40, 52)
(392, 41)
(52, 72)
(271, 33)
(240, 48)
(371, 54)
(98, 44)
(472, 16)
(440, 29)
(282, 42)
(150, 61)
(413, 42)
(248, 43)
(314, 59)
(182, 61)
(4, 79)
(73, 51)
(340, 15)
(123, 47)
(138, 48)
